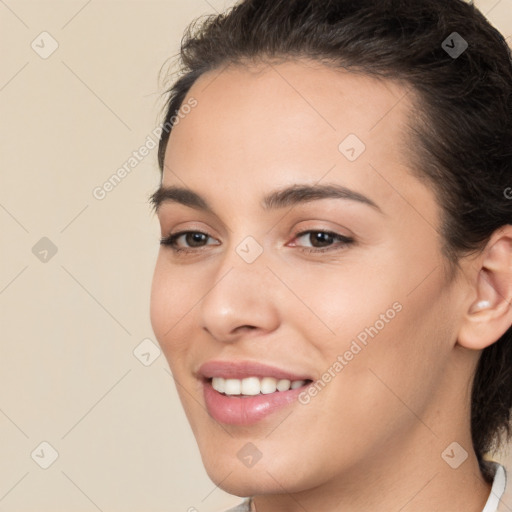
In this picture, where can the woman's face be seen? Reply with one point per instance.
(343, 287)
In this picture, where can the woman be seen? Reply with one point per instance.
(334, 282)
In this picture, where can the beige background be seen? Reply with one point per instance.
(70, 324)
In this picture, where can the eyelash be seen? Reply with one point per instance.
(170, 241)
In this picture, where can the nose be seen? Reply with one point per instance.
(242, 298)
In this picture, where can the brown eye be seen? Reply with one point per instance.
(320, 238)
(191, 239)
(195, 239)
(317, 240)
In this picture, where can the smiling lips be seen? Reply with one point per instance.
(243, 393)
(251, 386)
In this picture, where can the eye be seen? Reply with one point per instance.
(321, 241)
(193, 239)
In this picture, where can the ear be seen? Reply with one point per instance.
(489, 315)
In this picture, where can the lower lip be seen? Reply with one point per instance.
(235, 410)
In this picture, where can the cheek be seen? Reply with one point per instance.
(172, 299)
(378, 337)
(334, 304)
(399, 365)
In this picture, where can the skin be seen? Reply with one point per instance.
(372, 439)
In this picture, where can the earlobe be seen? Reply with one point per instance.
(489, 315)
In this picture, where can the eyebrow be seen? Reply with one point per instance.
(281, 198)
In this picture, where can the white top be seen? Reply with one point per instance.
(497, 491)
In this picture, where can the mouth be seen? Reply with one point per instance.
(246, 392)
(253, 386)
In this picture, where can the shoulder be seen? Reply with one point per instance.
(501, 492)
(245, 506)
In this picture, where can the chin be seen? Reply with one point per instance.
(265, 477)
(244, 483)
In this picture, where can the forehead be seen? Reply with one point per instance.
(291, 106)
(336, 96)
(274, 124)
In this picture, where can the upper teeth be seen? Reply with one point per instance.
(254, 385)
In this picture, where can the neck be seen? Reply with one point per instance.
(408, 478)
(416, 469)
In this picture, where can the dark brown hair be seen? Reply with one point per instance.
(461, 134)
